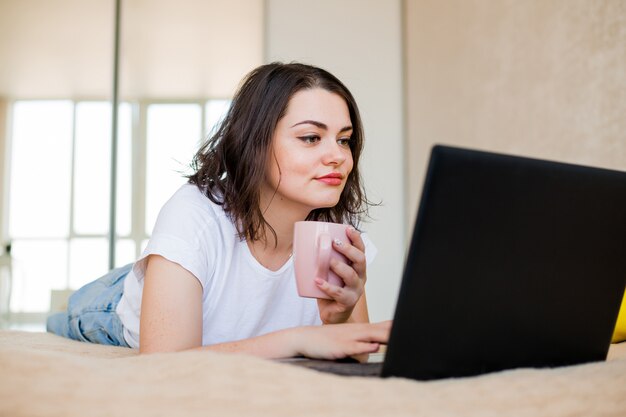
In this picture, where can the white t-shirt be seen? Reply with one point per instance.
(240, 297)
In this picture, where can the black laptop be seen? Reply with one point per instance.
(514, 262)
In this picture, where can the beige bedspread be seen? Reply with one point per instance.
(45, 375)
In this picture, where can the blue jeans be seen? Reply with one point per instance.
(90, 315)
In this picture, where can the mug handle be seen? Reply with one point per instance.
(324, 248)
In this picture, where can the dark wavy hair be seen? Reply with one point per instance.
(230, 167)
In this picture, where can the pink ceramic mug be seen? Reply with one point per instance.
(312, 252)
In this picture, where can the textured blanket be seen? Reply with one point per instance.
(45, 375)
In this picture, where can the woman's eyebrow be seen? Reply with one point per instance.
(312, 122)
(321, 125)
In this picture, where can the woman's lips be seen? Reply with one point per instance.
(331, 179)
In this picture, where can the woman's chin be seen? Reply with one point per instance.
(330, 203)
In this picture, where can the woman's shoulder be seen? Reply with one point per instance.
(191, 231)
(191, 212)
(190, 199)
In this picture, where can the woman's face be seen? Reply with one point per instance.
(310, 152)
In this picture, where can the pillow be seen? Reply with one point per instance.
(619, 334)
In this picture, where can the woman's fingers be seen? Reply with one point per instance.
(353, 274)
(365, 347)
(355, 252)
(375, 332)
(340, 340)
(367, 337)
(355, 237)
(347, 274)
(346, 297)
(339, 294)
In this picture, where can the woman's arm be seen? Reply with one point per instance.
(171, 320)
(360, 313)
(171, 308)
(333, 341)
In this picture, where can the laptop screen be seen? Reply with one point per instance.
(513, 262)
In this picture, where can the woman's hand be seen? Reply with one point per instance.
(339, 309)
(341, 340)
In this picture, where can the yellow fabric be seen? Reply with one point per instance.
(619, 334)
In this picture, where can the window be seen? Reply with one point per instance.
(174, 133)
(58, 198)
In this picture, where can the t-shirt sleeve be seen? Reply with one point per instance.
(180, 236)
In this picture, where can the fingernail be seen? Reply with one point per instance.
(338, 242)
(319, 281)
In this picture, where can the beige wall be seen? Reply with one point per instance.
(538, 78)
(360, 42)
(189, 48)
(55, 48)
(169, 48)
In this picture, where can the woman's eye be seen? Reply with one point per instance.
(309, 139)
(344, 141)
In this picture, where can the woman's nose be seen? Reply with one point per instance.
(334, 154)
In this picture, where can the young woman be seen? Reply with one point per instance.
(217, 273)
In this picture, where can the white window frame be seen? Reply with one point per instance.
(138, 233)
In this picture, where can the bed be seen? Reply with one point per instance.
(45, 375)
